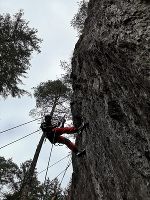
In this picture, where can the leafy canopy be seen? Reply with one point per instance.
(79, 18)
(50, 93)
(47, 92)
(17, 42)
(8, 171)
(51, 188)
(12, 178)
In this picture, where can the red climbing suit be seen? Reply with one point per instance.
(53, 133)
(61, 139)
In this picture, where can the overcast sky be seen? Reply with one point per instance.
(52, 20)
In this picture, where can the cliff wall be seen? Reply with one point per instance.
(111, 83)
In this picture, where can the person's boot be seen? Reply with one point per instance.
(81, 153)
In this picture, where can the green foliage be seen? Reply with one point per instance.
(49, 93)
(79, 18)
(8, 171)
(66, 76)
(17, 42)
(67, 192)
(12, 177)
(36, 187)
(52, 188)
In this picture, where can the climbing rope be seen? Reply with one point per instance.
(69, 163)
(55, 163)
(19, 125)
(47, 170)
(18, 139)
(49, 161)
(48, 164)
(64, 171)
(60, 173)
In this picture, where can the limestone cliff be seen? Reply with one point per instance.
(111, 83)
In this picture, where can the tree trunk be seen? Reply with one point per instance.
(28, 179)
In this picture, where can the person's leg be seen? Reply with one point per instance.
(71, 146)
(69, 130)
(60, 131)
(68, 143)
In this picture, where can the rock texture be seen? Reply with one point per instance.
(111, 83)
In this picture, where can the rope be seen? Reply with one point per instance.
(47, 168)
(18, 139)
(68, 165)
(60, 173)
(65, 171)
(48, 164)
(19, 125)
(49, 158)
(55, 163)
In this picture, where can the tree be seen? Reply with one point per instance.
(52, 94)
(8, 171)
(12, 177)
(17, 43)
(17, 182)
(66, 77)
(79, 18)
(49, 96)
(52, 188)
(36, 188)
(67, 192)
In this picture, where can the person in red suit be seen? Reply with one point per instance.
(54, 134)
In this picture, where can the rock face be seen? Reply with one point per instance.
(111, 83)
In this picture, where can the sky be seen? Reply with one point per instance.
(52, 20)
